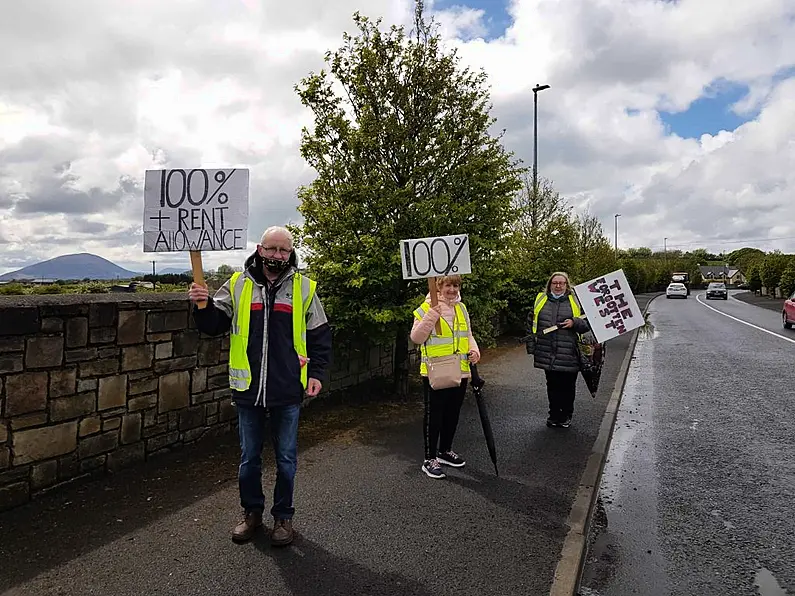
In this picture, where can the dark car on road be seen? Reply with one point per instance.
(717, 290)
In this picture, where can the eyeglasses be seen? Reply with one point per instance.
(272, 250)
(558, 283)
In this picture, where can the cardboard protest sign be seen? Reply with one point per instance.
(195, 210)
(610, 306)
(435, 257)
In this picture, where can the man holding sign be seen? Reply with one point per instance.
(280, 346)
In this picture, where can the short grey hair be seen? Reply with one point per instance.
(280, 229)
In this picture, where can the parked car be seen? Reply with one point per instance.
(788, 315)
(676, 290)
(717, 290)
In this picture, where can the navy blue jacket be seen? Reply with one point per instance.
(275, 367)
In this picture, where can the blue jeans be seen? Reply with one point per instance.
(284, 436)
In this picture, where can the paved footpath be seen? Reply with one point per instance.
(369, 521)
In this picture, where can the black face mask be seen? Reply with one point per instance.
(275, 265)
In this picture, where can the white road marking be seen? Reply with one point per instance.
(773, 333)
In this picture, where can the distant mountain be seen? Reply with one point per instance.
(79, 266)
(174, 271)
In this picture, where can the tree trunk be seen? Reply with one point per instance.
(401, 378)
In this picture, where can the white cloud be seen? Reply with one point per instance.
(96, 91)
(612, 65)
(461, 22)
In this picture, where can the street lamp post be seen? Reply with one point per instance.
(615, 218)
(536, 90)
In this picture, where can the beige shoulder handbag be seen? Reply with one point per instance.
(444, 372)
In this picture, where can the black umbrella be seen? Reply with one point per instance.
(592, 357)
(477, 385)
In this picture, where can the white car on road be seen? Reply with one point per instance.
(675, 290)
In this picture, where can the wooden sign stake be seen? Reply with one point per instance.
(198, 272)
(434, 301)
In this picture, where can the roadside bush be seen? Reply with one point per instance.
(49, 289)
(787, 282)
(92, 288)
(163, 288)
(12, 289)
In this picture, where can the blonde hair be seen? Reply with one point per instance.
(562, 274)
(453, 280)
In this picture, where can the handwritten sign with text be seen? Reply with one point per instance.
(435, 257)
(610, 305)
(195, 210)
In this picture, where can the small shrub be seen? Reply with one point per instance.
(12, 289)
(48, 289)
(92, 288)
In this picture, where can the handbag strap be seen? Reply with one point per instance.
(456, 326)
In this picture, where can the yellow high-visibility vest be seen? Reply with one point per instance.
(541, 300)
(451, 341)
(242, 290)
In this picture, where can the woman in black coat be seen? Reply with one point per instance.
(556, 352)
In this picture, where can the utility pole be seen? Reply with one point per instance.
(536, 90)
(153, 275)
(615, 218)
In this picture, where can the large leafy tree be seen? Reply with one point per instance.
(633, 272)
(541, 240)
(402, 148)
(743, 258)
(639, 253)
(754, 276)
(702, 256)
(771, 269)
(595, 255)
(787, 282)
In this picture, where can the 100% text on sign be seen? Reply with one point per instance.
(182, 184)
(435, 257)
(195, 209)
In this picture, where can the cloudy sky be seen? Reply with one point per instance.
(678, 115)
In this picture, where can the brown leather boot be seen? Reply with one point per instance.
(282, 532)
(246, 528)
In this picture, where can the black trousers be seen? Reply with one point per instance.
(442, 409)
(561, 387)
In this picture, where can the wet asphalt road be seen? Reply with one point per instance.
(699, 488)
(369, 521)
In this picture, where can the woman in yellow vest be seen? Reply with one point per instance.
(443, 406)
(557, 352)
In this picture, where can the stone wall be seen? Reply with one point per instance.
(93, 383)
